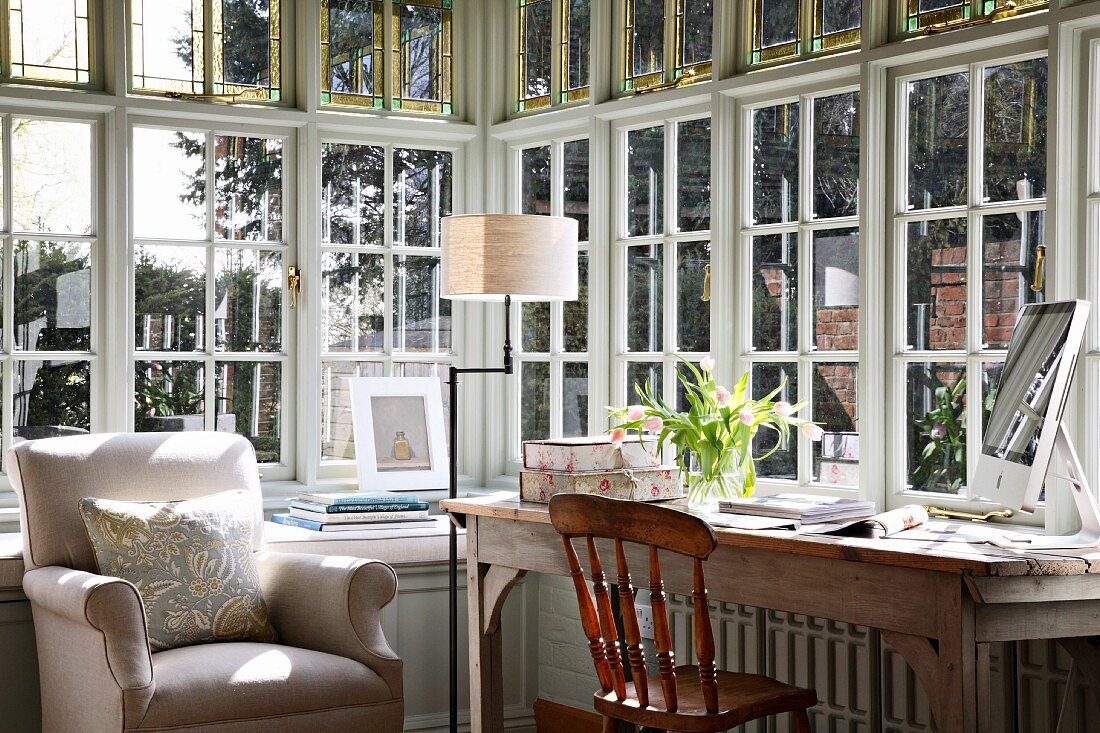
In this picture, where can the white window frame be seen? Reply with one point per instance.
(805, 356)
(972, 357)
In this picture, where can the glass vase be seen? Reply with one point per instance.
(704, 492)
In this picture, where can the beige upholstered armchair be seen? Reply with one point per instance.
(333, 670)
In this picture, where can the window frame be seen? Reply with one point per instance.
(673, 71)
(96, 29)
(975, 208)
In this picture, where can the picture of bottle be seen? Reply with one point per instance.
(401, 450)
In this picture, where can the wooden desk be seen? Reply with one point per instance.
(939, 604)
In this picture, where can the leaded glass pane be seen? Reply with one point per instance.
(834, 405)
(645, 43)
(534, 54)
(939, 123)
(775, 292)
(836, 289)
(575, 185)
(351, 52)
(248, 183)
(836, 155)
(645, 298)
(693, 35)
(576, 45)
(248, 296)
(352, 194)
(421, 319)
(169, 184)
(935, 397)
(246, 36)
(936, 284)
(924, 13)
(169, 298)
(50, 398)
(422, 56)
(166, 45)
(775, 164)
(51, 176)
(53, 296)
(353, 292)
(249, 403)
(836, 23)
(169, 396)
(783, 463)
(1015, 109)
(645, 181)
(692, 311)
(693, 176)
(422, 195)
(49, 40)
(775, 30)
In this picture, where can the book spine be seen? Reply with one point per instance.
(356, 516)
(338, 500)
(290, 521)
(309, 506)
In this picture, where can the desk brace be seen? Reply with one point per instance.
(453, 382)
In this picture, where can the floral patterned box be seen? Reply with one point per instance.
(595, 453)
(640, 484)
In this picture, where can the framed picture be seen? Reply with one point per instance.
(400, 436)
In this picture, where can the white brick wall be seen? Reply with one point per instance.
(843, 663)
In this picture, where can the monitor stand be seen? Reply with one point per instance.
(1087, 507)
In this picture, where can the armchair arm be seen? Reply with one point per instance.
(111, 606)
(334, 605)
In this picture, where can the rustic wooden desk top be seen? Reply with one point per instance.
(948, 557)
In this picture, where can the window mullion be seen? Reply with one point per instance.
(389, 269)
(209, 322)
(208, 46)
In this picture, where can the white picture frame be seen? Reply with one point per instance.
(400, 434)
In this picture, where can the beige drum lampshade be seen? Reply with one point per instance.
(489, 256)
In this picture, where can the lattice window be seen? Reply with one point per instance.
(783, 30)
(666, 42)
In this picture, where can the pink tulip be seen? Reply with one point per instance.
(783, 409)
(723, 396)
(706, 364)
(635, 413)
(746, 417)
(653, 425)
(939, 431)
(811, 431)
(618, 435)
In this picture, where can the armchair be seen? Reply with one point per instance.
(332, 671)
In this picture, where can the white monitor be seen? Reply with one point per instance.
(1025, 428)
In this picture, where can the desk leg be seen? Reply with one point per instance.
(1085, 651)
(948, 675)
(487, 587)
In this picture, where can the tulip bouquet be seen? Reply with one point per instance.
(716, 432)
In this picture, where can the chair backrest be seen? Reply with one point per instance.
(52, 475)
(659, 528)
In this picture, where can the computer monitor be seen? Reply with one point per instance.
(1025, 427)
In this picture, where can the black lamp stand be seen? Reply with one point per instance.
(453, 382)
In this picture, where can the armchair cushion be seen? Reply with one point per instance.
(215, 683)
(191, 561)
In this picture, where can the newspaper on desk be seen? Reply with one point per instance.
(887, 524)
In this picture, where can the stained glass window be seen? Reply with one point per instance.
(535, 25)
(422, 56)
(576, 46)
(921, 14)
(166, 45)
(246, 46)
(167, 40)
(49, 40)
(650, 59)
(351, 52)
(779, 28)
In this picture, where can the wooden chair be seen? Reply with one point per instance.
(692, 699)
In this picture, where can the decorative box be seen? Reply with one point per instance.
(595, 453)
(640, 484)
(839, 472)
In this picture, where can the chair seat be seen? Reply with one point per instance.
(741, 698)
(212, 683)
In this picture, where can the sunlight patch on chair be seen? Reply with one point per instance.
(269, 666)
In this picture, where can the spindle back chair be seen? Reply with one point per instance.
(687, 698)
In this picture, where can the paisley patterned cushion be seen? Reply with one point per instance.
(191, 561)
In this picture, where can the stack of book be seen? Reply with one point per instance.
(801, 508)
(342, 511)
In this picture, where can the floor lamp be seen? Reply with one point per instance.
(495, 257)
